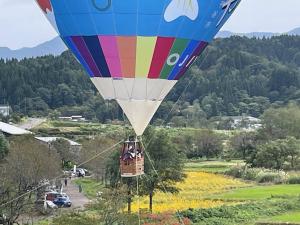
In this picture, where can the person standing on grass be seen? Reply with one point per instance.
(66, 182)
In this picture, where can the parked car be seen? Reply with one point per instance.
(86, 172)
(51, 205)
(63, 201)
(51, 196)
(80, 172)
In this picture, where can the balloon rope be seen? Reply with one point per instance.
(159, 178)
(60, 176)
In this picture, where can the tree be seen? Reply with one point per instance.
(282, 122)
(3, 147)
(257, 74)
(94, 146)
(109, 206)
(208, 144)
(271, 155)
(243, 144)
(27, 164)
(113, 173)
(63, 148)
(163, 168)
(292, 150)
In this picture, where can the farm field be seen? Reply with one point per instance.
(195, 190)
(215, 197)
(211, 166)
(261, 192)
(292, 217)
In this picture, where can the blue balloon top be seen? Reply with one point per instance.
(187, 19)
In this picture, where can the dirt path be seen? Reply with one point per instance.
(79, 200)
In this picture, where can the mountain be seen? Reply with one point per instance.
(52, 47)
(56, 46)
(295, 31)
(227, 34)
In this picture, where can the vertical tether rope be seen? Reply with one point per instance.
(164, 187)
(137, 181)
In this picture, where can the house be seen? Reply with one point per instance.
(247, 123)
(75, 147)
(9, 130)
(4, 110)
(76, 118)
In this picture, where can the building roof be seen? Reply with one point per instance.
(12, 130)
(51, 139)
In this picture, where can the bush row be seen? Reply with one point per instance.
(262, 175)
(240, 214)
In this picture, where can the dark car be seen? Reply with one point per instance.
(62, 201)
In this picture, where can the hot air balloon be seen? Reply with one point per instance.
(135, 51)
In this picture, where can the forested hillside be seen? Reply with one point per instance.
(234, 76)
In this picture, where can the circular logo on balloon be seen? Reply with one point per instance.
(102, 5)
(173, 59)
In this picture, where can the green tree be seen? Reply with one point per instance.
(163, 167)
(292, 150)
(208, 144)
(63, 148)
(282, 122)
(243, 144)
(272, 154)
(27, 164)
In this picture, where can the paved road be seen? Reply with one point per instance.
(78, 199)
(31, 123)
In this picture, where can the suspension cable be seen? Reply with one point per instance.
(158, 176)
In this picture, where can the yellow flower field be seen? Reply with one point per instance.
(196, 187)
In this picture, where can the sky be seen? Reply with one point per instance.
(22, 24)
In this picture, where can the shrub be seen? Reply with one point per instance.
(260, 175)
(293, 180)
(240, 214)
(236, 172)
(267, 176)
(251, 173)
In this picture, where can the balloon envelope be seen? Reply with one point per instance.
(135, 50)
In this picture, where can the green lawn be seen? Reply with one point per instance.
(261, 192)
(90, 187)
(211, 166)
(292, 217)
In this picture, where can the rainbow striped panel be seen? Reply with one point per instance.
(110, 50)
(162, 49)
(135, 57)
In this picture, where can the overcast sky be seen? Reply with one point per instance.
(22, 24)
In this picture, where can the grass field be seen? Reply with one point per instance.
(218, 199)
(89, 187)
(292, 217)
(211, 166)
(261, 192)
